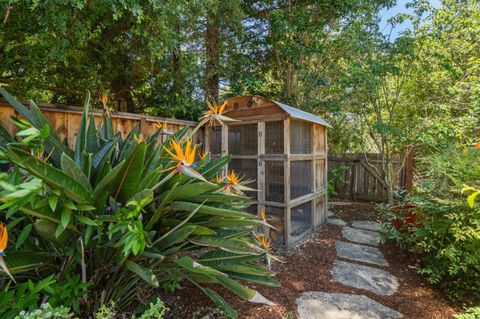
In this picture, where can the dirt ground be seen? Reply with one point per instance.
(307, 268)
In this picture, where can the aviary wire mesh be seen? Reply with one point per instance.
(248, 169)
(320, 174)
(216, 140)
(300, 178)
(301, 220)
(274, 137)
(274, 181)
(243, 139)
(276, 218)
(300, 137)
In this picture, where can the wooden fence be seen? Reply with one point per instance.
(354, 179)
(66, 120)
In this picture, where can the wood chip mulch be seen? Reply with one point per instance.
(307, 268)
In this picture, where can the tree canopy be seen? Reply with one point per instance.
(330, 58)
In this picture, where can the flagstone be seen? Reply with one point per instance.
(322, 305)
(361, 253)
(361, 236)
(368, 278)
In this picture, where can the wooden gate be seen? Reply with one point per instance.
(354, 179)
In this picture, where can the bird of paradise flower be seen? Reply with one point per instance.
(213, 115)
(185, 159)
(234, 184)
(3, 246)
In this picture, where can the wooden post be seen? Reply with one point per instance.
(225, 146)
(286, 178)
(207, 138)
(261, 168)
(325, 176)
(143, 126)
(314, 176)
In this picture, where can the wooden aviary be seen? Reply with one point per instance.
(66, 120)
(284, 150)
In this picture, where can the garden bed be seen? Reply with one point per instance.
(307, 268)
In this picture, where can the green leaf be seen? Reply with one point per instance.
(212, 168)
(192, 266)
(22, 261)
(219, 256)
(65, 218)
(52, 176)
(223, 222)
(143, 272)
(46, 229)
(221, 302)
(231, 245)
(92, 143)
(175, 237)
(19, 107)
(28, 131)
(201, 230)
(103, 154)
(183, 222)
(261, 280)
(71, 168)
(23, 235)
(53, 143)
(243, 269)
(186, 191)
(59, 230)
(143, 198)
(209, 210)
(81, 143)
(107, 182)
(85, 220)
(127, 180)
(471, 198)
(42, 213)
(52, 201)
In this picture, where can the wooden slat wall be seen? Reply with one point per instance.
(66, 120)
(360, 182)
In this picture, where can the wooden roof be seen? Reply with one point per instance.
(252, 106)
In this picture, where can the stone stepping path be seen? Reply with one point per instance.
(368, 278)
(366, 254)
(322, 305)
(368, 225)
(361, 236)
(336, 221)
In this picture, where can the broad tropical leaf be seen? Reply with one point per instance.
(52, 176)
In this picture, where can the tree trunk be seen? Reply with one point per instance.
(123, 96)
(389, 180)
(212, 51)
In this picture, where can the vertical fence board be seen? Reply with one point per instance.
(360, 181)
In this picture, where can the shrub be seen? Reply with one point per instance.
(46, 311)
(447, 234)
(123, 214)
(106, 312)
(470, 313)
(156, 310)
(336, 178)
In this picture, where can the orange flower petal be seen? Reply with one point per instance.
(3, 237)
